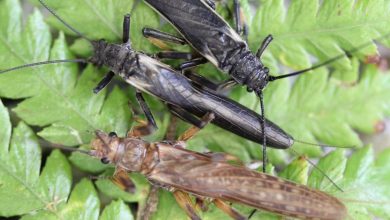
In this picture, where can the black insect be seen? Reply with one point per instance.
(217, 42)
(184, 97)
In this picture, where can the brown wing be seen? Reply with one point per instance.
(198, 174)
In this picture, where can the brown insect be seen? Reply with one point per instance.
(167, 164)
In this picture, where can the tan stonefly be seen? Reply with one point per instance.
(209, 176)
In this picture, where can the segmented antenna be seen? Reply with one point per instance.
(321, 171)
(63, 21)
(322, 145)
(262, 118)
(44, 63)
(74, 150)
(346, 53)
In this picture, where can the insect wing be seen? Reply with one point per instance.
(172, 87)
(161, 81)
(240, 120)
(187, 171)
(201, 26)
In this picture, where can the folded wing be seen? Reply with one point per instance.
(204, 29)
(202, 176)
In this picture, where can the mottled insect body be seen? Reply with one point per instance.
(205, 176)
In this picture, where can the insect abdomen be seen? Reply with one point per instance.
(220, 180)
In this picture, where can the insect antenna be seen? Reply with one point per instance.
(43, 63)
(262, 121)
(346, 53)
(52, 61)
(321, 171)
(70, 149)
(63, 21)
(321, 145)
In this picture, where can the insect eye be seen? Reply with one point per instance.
(104, 160)
(112, 134)
(266, 70)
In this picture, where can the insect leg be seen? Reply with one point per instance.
(189, 133)
(245, 32)
(204, 82)
(123, 181)
(201, 81)
(145, 128)
(228, 210)
(210, 3)
(104, 82)
(200, 204)
(159, 35)
(174, 55)
(192, 63)
(150, 206)
(237, 16)
(241, 26)
(126, 39)
(145, 109)
(226, 85)
(184, 115)
(264, 45)
(170, 134)
(184, 201)
(126, 29)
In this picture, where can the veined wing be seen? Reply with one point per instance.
(160, 80)
(240, 120)
(201, 26)
(203, 177)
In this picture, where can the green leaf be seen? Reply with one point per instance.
(23, 188)
(365, 184)
(106, 186)
(83, 203)
(320, 109)
(167, 207)
(117, 210)
(333, 166)
(87, 163)
(59, 99)
(20, 47)
(296, 171)
(319, 28)
(103, 20)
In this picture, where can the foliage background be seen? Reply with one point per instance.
(54, 105)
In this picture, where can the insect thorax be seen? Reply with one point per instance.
(132, 155)
(247, 69)
(117, 57)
